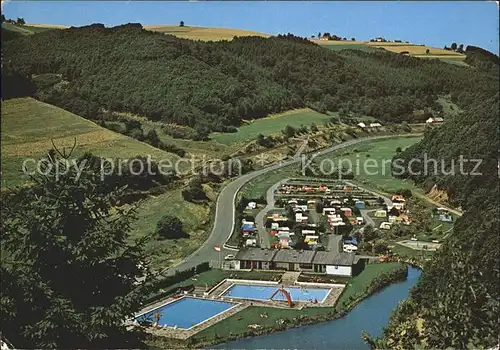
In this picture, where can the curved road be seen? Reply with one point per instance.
(224, 212)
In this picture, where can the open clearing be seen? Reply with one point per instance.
(418, 50)
(271, 125)
(203, 33)
(195, 219)
(22, 136)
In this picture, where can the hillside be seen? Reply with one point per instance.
(202, 33)
(214, 86)
(28, 126)
(455, 304)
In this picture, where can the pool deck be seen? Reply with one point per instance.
(240, 304)
(330, 300)
(182, 333)
(419, 245)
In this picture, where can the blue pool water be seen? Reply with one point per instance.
(186, 312)
(265, 292)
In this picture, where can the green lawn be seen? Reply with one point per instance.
(358, 284)
(270, 126)
(258, 187)
(371, 163)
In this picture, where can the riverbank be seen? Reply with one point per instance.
(374, 278)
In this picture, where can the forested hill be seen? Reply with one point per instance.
(456, 302)
(215, 85)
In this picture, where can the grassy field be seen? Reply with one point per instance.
(358, 284)
(203, 33)
(347, 46)
(195, 219)
(29, 125)
(271, 125)
(28, 29)
(238, 323)
(371, 162)
(413, 50)
(417, 50)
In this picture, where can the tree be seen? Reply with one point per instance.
(453, 46)
(369, 233)
(319, 35)
(289, 131)
(70, 269)
(20, 21)
(3, 18)
(170, 227)
(427, 51)
(398, 149)
(314, 128)
(353, 39)
(461, 48)
(406, 193)
(380, 247)
(319, 207)
(181, 24)
(394, 212)
(194, 191)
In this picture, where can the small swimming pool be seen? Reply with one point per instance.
(256, 292)
(186, 312)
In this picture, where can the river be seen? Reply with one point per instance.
(371, 315)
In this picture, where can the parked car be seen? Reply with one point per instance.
(229, 257)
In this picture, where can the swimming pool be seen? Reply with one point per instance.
(186, 312)
(256, 292)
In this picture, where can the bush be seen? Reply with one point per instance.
(170, 227)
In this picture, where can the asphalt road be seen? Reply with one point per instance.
(224, 213)
(259, 218)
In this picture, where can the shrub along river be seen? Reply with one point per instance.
(371, 315)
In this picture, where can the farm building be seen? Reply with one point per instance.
(375, 125)
(362, 125)
(380, 214)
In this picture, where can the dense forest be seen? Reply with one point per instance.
(457, 296)
(213, 86)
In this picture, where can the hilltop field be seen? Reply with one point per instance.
(203, 33)
(28, 126)
(413, 50)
